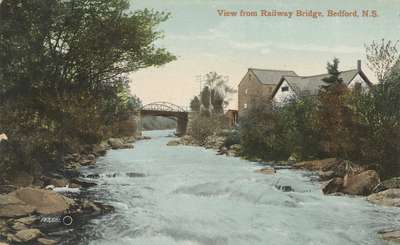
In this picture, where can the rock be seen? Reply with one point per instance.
(317, 165)
(28, 235)
(19, 226)
(390, 198)
(58, 182)
(27, 220)
(284, 188)
(11, 206)
(393, 236)
(83, 183)
(13, 238)
(187, 140)
(87, 162)
(333, 186)
(393, 183)
(236, 147)
(119, 144)
(326, 175)
(91, 157)
(173, 143)
(267, 170)
(44, 201)
(45, 241)
(3, 243)
(135, 175)
(4, 189)
(214, 142)
(130, 139)
(361, 184)
(3, 137)
(101, 149)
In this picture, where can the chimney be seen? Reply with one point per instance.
(359, 65)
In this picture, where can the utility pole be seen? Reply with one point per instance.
(199, 79)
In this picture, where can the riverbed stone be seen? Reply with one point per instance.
(45, 241)
(266, 170)
(361, 184)
(390, 198)
(28, 234)
(393, 236)
(173, 143)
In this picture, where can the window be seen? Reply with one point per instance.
(246, 91)
(285, 89)
(245, 106)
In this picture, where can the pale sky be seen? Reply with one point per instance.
(203, 41)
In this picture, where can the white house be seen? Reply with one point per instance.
(292, 86)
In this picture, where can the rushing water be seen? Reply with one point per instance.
(188, 195)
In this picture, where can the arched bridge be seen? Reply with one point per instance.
(167, 109)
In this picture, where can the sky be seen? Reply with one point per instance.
(203, 41)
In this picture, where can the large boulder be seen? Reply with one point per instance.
(361, 184)
(25, 201)
(117, 143)
(3, 137)
(390, 197)
(44, 201)
(334, 185)
(11, 206)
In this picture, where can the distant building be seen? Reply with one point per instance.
(259, 82)
(280, 85)
(293, 86)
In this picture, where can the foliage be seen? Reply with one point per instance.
(382, 56)
(262, 132)
(203, 126)
(195, 104)
(63, 71)
(232, 138)
(378, 116)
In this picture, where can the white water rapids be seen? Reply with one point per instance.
(190, 196)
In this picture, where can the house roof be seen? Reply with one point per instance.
(272, 77)
(310, 85)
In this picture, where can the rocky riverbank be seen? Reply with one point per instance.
(45, 209)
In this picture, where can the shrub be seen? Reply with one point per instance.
(202, 126)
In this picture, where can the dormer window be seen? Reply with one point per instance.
(285, 89)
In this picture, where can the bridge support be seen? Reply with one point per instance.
(181, 127)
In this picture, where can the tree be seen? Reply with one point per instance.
(221, 89)
(333, 70)
(195, 104)
(381, 57)
(205, 98)
(64, 66)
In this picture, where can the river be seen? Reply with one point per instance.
(191, 196)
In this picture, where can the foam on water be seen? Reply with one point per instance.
(188, 195)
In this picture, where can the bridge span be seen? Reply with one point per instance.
(167, 109)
